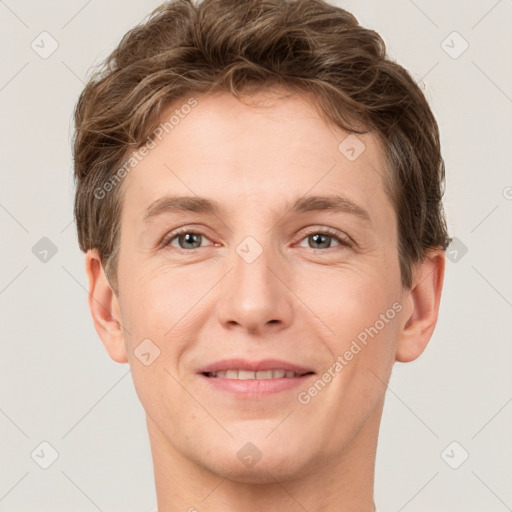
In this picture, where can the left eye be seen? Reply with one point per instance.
(190, 239)
(323, 240)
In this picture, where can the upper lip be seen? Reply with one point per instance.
(255, 366)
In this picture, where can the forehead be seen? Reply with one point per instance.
(267, 149)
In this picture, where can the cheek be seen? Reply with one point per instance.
(346, 301)
(149, 294)
(361, 311)
(158, 309)
(160, 304)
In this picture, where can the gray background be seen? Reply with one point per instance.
(58, 384)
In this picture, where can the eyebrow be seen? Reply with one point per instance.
(182, 204)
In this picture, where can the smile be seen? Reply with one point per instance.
(254, 380)
(249, 375)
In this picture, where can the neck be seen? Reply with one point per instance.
(341, 483)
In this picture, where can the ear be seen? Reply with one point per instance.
(422, 306)
(104, 307)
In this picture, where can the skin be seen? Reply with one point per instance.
(298, 301)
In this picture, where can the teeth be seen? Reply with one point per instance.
(248, 375)
(264, 374)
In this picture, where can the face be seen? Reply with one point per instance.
(260, 314)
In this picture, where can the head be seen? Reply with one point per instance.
(199, 147)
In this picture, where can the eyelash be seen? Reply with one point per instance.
(343, 242)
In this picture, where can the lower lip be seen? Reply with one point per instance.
(256, 387)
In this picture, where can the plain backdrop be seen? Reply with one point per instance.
(445, 441)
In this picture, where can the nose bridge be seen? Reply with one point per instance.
(255, 296)
(254, 251)
(253, 261)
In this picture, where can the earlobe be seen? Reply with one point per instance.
(104, 308)
(424, 299)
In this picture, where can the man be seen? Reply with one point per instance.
(259, 199)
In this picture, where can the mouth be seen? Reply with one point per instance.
(254, 379)
(238, 374)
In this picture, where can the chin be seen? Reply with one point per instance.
(262, 473)
(265, 465)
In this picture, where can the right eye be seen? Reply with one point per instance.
(186, 239)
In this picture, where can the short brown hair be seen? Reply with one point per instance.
(308, 46)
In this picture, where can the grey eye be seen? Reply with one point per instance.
(320, 240)
(187, 240)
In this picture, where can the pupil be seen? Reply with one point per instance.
(318, 239)
(191, 238)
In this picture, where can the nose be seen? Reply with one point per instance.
(254, 297)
